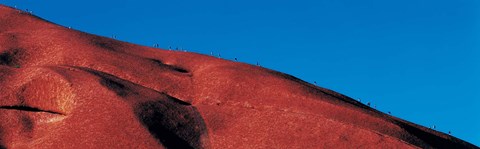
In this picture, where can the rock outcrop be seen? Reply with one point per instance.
(62, 88)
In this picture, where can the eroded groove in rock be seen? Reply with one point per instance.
(26, 108)
(175, 126)
(172, 67)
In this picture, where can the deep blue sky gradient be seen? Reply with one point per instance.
(419, 59)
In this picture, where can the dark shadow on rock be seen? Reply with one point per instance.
(174, 123)
(434, 141)
(8, 57)
(118, 88)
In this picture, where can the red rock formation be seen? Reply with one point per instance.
(61, 88)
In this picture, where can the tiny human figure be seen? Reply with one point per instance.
(315, 82)
(258, 64)
(368, 103)
(449, 133)
(28, 11)
(434, 127)
(236, 59)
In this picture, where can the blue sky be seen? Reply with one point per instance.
(418, 59)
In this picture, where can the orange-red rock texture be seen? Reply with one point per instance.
(61, 88)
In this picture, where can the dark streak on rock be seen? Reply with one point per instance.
(27, 123)
(29, 109)
(104, 43)
(9, 57)
(120, 89)
(171, 67)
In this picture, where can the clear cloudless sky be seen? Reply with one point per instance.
(418, 59)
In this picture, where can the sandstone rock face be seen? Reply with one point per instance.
(61, 88)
